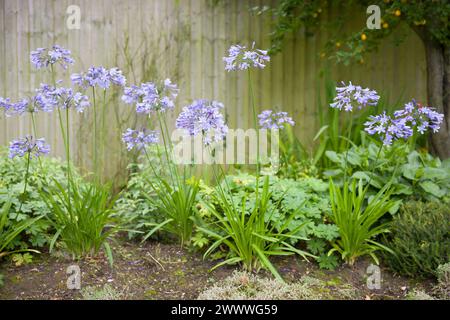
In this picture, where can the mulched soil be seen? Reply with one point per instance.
(155, 270)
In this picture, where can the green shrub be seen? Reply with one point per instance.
(420, 238)
(12, 175)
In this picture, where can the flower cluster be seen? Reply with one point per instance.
(349, 96)
(404, 122)
(139, 139)
(14, 108)
(43, 57)
(28, 145)
(203, 117)
(421, 117)
(239, 58)
(274, 120)
(388, 128)
(99, 76)
(149, 98)
(46, 99)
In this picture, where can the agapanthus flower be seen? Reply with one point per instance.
(239, 58)
(420, 117)
(28, 145)
(49, 98)
(99, 77)
(274, 120)
(5, 104)
(139, 139)
(150, 98)
(388, 128)
(203, 117)
(43, 57)
(14, 108)
(351, 96)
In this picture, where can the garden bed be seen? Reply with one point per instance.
(154, 270)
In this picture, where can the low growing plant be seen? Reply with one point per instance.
(358, 223)
(420, 238)
(84, 220)
(250, 237)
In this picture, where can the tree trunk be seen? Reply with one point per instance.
(438, 90)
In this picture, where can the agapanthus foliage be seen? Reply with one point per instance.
(239, 58)
(43, 57)
(203, 117)
(274, 120)
(28, 145)
(139, 139)
(99, 77)
(350, 96)
(413, 117)
(151, 98)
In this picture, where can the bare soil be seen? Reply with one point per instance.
(155, 270)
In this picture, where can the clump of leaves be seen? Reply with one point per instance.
(42, 175)
(412, 174)
(358, 222)
(292, 203)
(420, 238)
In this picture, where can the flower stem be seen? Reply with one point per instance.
(33, 121)
(94, 144)
(347, 146)
(255, 125)
(27, 172)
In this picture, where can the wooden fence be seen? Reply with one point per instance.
(184, 40)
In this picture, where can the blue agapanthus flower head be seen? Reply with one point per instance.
(149, 97)
(43, 57)
(14, 108)
(350, 96)
(139, 139)
(274, 120)
(422, 118)
(28, 145)
(387, 128)
(48, 98)
(239, 58)
(99, 77)
(203, 117)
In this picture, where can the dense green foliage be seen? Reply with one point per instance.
(12, 173)
(420, 238)
(297, 206)
(248, 229)
(83, 219)
(414, 174)
(291, 15)
(357, 221)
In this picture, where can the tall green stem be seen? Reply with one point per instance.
(26, 179)
(94, 144)
(347, 146)
(33, 121)
(255, 125)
